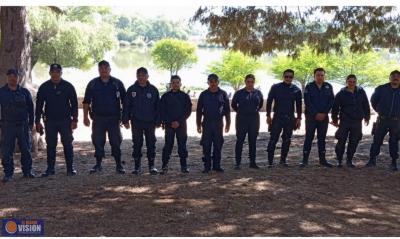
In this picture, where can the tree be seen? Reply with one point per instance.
(372, 68)
(173, 54)
(258, 30)
(71, 38)
(15, 43)
(234, 67)
(303, 66)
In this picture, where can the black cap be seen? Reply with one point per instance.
(103, 63)
(142, 70)
(55, 66)
(213, 77)
(12, 71)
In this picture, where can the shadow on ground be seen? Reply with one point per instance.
(279, 202)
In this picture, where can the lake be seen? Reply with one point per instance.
(125, 60)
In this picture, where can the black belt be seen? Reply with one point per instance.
(383, 117)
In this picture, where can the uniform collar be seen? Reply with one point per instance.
(9, 89)
(218, 90)
(137, 84)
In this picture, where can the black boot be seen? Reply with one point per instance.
(184, 168)
(118, 166)
(323, 161)
(70, 168)
(7, 179)
(270, 160)
(349, 163)
(164, 168)
(152, 169)
(97, 167)
(339, 162)
(138, 166)
(371, 163)
(393, 165)
(29, 174)
(50, 169)
(253, 164)
(304, 162)
(283, 162)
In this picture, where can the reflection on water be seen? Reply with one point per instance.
(125, 60)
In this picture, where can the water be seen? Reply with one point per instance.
(125, 60)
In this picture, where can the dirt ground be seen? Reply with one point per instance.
(267, 202)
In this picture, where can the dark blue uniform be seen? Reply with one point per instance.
(141, 108)
(16, 121)
(247, 105)
(351, 108)
(211, 108)
(60, 109)
(386, 102)
(285, 98)
(175, 106)
(317, 100)
(106, 99)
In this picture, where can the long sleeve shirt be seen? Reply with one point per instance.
(16, 105)
(386, 101)
(351, 105)
(318, 100)
(285, 97)
(212, 107)
(247, 102)
(175, 106)
(59, 100)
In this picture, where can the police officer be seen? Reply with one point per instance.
(175, 108)
(386, 102)
(247, 102)
(350, 106)
(212, 106)
(285, 96)
(104, 98)
(60, 116)
(318, 99)
(16, 123)
(141, 109)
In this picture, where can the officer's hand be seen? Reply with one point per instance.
(199, 130)
(86, 121)
(226, 129)
(175, 124)
(269, 120)
(320, 116)
(335, 123)
(39, 128)
(74, 125)
(127, 125)
(298, 124)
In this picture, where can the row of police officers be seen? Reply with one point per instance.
(107, 105)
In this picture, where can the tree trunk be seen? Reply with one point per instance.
(15, 43)
(15, 49)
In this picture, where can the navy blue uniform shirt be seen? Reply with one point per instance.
(285, 97)
(59, 100)
(386, 101)
(247, 102)
(213, 106)
(175, 106)
(16, 105)
(141, 104)
(318, 100)
(105, 98)
(351, 106)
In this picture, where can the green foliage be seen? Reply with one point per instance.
(149, 30)
(265, 29)
(372, 68)
(234, 67)
(173, 54)
(71, 40)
